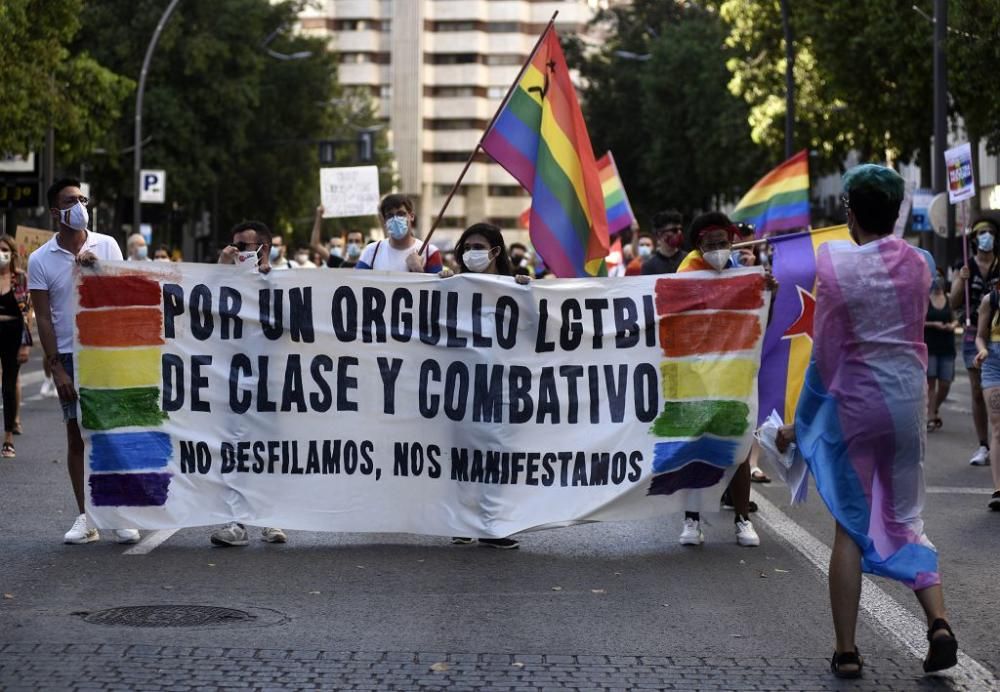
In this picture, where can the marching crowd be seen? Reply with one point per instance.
(39, 291)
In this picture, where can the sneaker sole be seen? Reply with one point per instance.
(273, 540)
(82, 541)
(692, 541)
(128, 541)
(229, 544)
(745, 544)
(501, 547)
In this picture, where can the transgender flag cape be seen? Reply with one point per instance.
(861, 418)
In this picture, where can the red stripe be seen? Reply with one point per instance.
(129, 327)
(118, 291)
(797, 165)
(715, 332)
(744, 292)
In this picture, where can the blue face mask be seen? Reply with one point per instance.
(985, 242)
(397, 227)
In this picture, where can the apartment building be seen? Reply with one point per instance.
(438, 70)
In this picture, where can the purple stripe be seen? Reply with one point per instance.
(507, 155)
(129, 489)
(519, 135)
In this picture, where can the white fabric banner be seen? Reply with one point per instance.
(382, 402)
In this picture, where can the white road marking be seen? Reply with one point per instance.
(151, 542)
(896, 622)
(958, 490)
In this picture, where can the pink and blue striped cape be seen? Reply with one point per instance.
(861, 418)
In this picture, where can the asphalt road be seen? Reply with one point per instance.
(603, 606)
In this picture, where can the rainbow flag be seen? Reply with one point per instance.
(788, 340)
(780, 200)
(540, 138)
(619, 211)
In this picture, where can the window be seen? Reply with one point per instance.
(385, 91)
(505, 59)
(441, 190)
(453, 91)
(497, 92)
(452, 222)
(505, 191)
(454, 124)
(503, 27)
(504, 221)
(455, 26)
(451, 58)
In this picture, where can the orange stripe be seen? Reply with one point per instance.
(797, 165)
(718, 332)
(122, 327)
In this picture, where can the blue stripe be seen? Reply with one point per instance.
(670, 456)
(518, 135)
(548, 207)
(130, 451)
(619, 210)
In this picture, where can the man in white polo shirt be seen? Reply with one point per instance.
(50, 280)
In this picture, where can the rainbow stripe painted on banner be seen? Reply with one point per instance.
(709, 329)
(120, 331)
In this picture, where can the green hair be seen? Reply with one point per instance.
(874, 193)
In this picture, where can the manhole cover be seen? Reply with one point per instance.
(167, 616)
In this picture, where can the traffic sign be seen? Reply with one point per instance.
(153, 186)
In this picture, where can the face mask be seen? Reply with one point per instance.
(249, 259)
(353, 251)
(76, 217)
(645, 251)
(4, 258)
(162, 259)
(476, 260)
(397, 227)
(985, 242)
(336, 251)
(142, 252)
(717, 258)
(275, 252)
(301, 259)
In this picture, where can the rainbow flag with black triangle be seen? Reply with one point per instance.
(540, 138)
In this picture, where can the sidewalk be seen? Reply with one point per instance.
(109, 667)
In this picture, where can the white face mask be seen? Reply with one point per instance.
(248, 259)
(4, 258)
(336, 251)
(76, 217)
(717, 258)
(353, 251)
(476, 260)
(645, 251)
(301, 259)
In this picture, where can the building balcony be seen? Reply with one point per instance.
(367, 41)
(358, 9)
(507, 206)
(460, 107)
(468, 9)
(447, 173)
(350, 74)
(455, 42)
(455, 75)
(450, 140)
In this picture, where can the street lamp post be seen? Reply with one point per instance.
(137, 165)
(789, 81)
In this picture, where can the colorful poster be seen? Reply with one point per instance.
(379, 402)
(961, 179)
(30, 239)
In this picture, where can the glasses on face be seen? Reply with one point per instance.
(70, 201)
(243, 247)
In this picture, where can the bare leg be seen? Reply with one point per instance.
(978, 404)
(992, 397)
(17, 420)
(932, 601)
(74, 460)
(931, 398)
(739, 490)
(942, 393)
(845, 590)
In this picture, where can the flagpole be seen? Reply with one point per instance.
(493, 120)
(782, 238)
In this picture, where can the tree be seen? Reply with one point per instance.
(655, 93)
(45, 83)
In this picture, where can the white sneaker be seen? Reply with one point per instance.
(81, 532)
(981, 457)
(692, 535)
(48, 390)
(273, 535)
(230, 535)
(745, 534)
(126, 536)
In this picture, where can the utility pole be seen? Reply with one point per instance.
(789, 82)
(137, 160)
(943, 247)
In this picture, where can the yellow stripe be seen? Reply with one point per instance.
(760, 194)
(119, 368)
(825, 235)
(718, 377)
(610, 185)
(799, 352)
(567, 158)
(533, 78)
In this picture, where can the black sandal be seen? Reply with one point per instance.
(943, 651)
(848, 658)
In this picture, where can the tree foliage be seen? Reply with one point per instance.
(45, 83)
(655, 93)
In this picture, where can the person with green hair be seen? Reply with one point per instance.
(861, 421)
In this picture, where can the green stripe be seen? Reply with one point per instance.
(104, 409)
(614, 198)
(558, 183)
(526, 109)
(693, 418)
(743, 213)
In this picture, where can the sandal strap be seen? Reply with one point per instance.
(937, 625)
(847, 658)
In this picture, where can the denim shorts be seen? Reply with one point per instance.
(991, 367)
(68, 408)
(969, 349)
(941, 367)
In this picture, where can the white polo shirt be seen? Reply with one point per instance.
(50, 268)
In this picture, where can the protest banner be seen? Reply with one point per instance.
(961, 179)
(30, 239)
(381, 402)
(349, 191)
